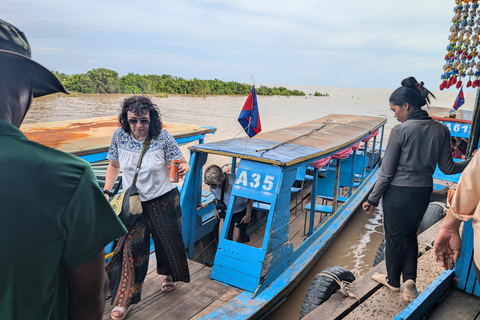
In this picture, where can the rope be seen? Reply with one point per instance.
(441, 204)
(228, 141)
(303, 135)
(344, 285)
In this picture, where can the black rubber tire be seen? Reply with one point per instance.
(323, 287)
(380, 255)
(434, 213)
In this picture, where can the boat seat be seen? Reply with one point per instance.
(319, 208)
(261, 206)
(295, 189)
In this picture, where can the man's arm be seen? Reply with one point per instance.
(87, 286)
(448, 243)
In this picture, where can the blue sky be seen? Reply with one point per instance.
(360, 44)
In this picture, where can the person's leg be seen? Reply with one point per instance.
(416, 205)
(393, 222)
(237, 234)
(236, 221)
(164, 217)
(220, 226)
(130, 268)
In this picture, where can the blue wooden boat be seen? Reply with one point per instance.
(249, 280)
(266, 271)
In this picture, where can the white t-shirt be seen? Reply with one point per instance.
(240, 203)
(153, 177)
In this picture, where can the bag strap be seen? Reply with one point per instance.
(146, 143)
(119, 184)
(223, 188)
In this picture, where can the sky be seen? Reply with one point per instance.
(349, 43)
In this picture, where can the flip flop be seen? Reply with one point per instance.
(168, 284)
(122, 310)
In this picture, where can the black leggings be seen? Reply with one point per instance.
(403, 210)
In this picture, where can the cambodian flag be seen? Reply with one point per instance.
(460, 100)
(249, 117)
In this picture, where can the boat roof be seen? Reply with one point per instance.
(444, 114)
(291, 145)
(93, 135)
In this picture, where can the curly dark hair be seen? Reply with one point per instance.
(139, 105)
(411, 92)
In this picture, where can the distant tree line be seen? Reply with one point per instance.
(103, 80)
(318, 94)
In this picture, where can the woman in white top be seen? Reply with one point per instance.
(221, 185)
(160, 198)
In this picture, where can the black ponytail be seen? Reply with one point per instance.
(411, 92)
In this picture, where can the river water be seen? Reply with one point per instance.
(356, 246)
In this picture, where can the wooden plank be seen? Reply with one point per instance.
(463, 264)
(92, 135)
(427, 298)
(225, 298)
(187, 300)
(456, 305)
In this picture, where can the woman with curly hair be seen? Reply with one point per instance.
(405, 182)
(161, 216)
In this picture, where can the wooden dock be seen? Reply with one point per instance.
(379, 303)
(188, 301)
(202, 295)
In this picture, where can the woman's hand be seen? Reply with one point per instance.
(368, 208)
(217, 215)
(246, 219)
(183, 168)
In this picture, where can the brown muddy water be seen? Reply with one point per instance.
(357, 244)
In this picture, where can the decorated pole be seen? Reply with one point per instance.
(462, 50)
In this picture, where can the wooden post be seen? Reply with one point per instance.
(335, 192)
(313, 196)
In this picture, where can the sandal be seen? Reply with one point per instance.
(168, 284)
(122, 310)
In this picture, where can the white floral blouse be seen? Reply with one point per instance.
(153, 177)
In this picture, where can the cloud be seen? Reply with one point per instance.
(306, 42)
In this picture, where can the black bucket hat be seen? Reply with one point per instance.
(14, 47)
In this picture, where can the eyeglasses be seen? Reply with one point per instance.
(143, 122)
(211, 185)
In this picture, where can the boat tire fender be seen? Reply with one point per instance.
(323, 286)
(380, 255)
(435, 212)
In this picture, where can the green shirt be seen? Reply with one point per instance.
(52, 214)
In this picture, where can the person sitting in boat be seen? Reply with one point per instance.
(457, 154)
(405, 182)
(461, 145)
(221, 185)
(464, 205)
(161, 216)
(55, 219)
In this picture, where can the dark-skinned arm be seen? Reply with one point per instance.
(87, 286)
